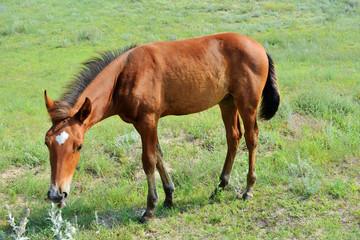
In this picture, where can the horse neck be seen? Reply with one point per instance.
(100, 92)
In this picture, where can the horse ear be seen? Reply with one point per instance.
(84, 111)
(48, 102)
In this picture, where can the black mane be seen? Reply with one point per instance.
(88, 73)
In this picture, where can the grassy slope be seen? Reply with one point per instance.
(308, 155)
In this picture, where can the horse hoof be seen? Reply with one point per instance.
(146, 217)
(145, 220)
(168, 205)
(246, 196)
(215, 193)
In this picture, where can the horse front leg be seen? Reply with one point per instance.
(148, 132)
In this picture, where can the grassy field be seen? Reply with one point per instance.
(308, 157)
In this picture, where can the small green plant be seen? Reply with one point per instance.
(97, 224)
(90, 34)
(338, 188)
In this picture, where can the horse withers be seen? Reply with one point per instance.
(143, 83)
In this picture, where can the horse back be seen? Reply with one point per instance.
(188, 76)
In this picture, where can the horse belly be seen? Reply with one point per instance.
(193, 95)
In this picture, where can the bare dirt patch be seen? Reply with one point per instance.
(297, 122)
(171, 139)
(12, 173)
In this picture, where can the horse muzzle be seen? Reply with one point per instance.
(56, 195)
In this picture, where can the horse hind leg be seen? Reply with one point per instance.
(230, 116)
(251, 138)
(165, 177)
(251, 143)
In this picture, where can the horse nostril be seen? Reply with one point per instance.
(48, 194)
(65, 194)
(54, 196)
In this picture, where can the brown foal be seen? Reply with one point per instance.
(143, 83)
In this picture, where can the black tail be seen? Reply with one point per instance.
(270, 95)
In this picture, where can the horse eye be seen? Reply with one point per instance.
(79, 147)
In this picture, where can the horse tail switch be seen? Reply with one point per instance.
(271, 95)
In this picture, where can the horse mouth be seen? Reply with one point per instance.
(55, 197)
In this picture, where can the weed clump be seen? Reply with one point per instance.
(304, 180)
(63, 230)
(20, 230)
(324, 104)
(89, 34)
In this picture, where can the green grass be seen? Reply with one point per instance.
(308, 155)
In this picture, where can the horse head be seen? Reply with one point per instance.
(64, 140)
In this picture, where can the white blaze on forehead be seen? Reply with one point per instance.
(62, 138)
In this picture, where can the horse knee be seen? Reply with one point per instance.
(236, 135)
(149, 164)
